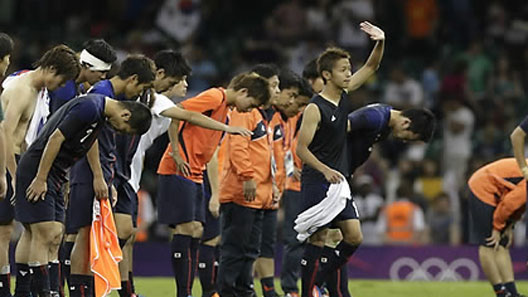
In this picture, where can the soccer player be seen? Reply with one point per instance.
(6, 209)
(289, 85)
(322, 149)
(96, 59)
(291, 199)
(26, 104)
(181, 169)
(69, 134)
(497, 200)
(88, 180)
(171, 74)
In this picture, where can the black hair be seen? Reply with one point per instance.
(289, 79)
(101, 50)
(140, 116)
(265, 70)
(329, 58)
(310, 70)
(306, 89)
(63, 59)
(140, 65)
(257, 86)
(423, 122)
(173, 62)
(6, 45)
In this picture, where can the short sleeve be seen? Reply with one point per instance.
(161, 103)
(78, 118)
(208, 100)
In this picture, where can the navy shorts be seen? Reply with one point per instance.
(313, 193)
(212, 224)
(127, 201)
(269, 233)
(481, 221)
(80, 210)
(180, 200)
(48, 210)
(7, 211)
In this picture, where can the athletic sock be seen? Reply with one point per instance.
(66, 260)
(500, 290)
(5, 285)
(268, 287)
(336, 259)
(181, 263)
(54, 277)
(23, 280)
(131, 280)
(41, 279)
(206, 267)
(511, 288)
(126, 289)
(81, 285)
(309, 267)
(195, 253)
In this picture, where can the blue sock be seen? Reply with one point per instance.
(500, 290)
(181, 263)
(309, 267)
(41, 278)
(23, 280)
(54, 276)
(206, 268)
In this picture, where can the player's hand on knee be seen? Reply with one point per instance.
(333, 176)
(250, 190)
(3, 187)
(36, 190)
(239, 131)
(100, 188)
(494, 240)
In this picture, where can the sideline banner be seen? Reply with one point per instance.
(425, 263)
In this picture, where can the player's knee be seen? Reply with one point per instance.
(185, 229)
(198, 230)
(353, 238)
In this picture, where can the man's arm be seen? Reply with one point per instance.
(214, 182)
(13, 113)
(37, 189)
(374, 60)
(183, 166)
(198, 119)
(99, 183)
(517, 139)
(310, 121)
(3, 183)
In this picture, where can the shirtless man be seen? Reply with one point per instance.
(26, 106)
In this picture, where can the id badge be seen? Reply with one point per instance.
(288, 163)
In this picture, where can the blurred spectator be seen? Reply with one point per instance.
(506, 83)
(179, 18)
(369, 205)
(401, 91)
(480, 69)
(431, 84)
(347, 15)
(490, 141)
(287, 23)
(440, 221)
(457, 146)
(402, 221)
(203, 70)
(421, 19)
(429, 184)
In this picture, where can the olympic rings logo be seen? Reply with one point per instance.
(433, 269)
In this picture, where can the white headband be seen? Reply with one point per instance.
(95, 63)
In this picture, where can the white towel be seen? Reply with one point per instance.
(40, 116)
(310, 220)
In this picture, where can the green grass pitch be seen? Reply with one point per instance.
(165, 287)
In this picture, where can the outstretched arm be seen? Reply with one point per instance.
(374, 60)
(198, 119)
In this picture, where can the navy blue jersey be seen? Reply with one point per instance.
(106, 141)
(62, 95)
(368, 125)
(80, 121)
(329, 143)
(126, 147)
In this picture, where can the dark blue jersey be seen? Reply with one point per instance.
(106, 141)
(126, 146)
(80, 121)
(62, 95)
(368, 125)
(329, 143)
(524, 124)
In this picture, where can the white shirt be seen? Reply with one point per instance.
(409, 93)
(160, 125)
(460, 143)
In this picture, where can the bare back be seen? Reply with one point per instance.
(18, 102)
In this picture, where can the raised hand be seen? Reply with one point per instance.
(374, 32)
